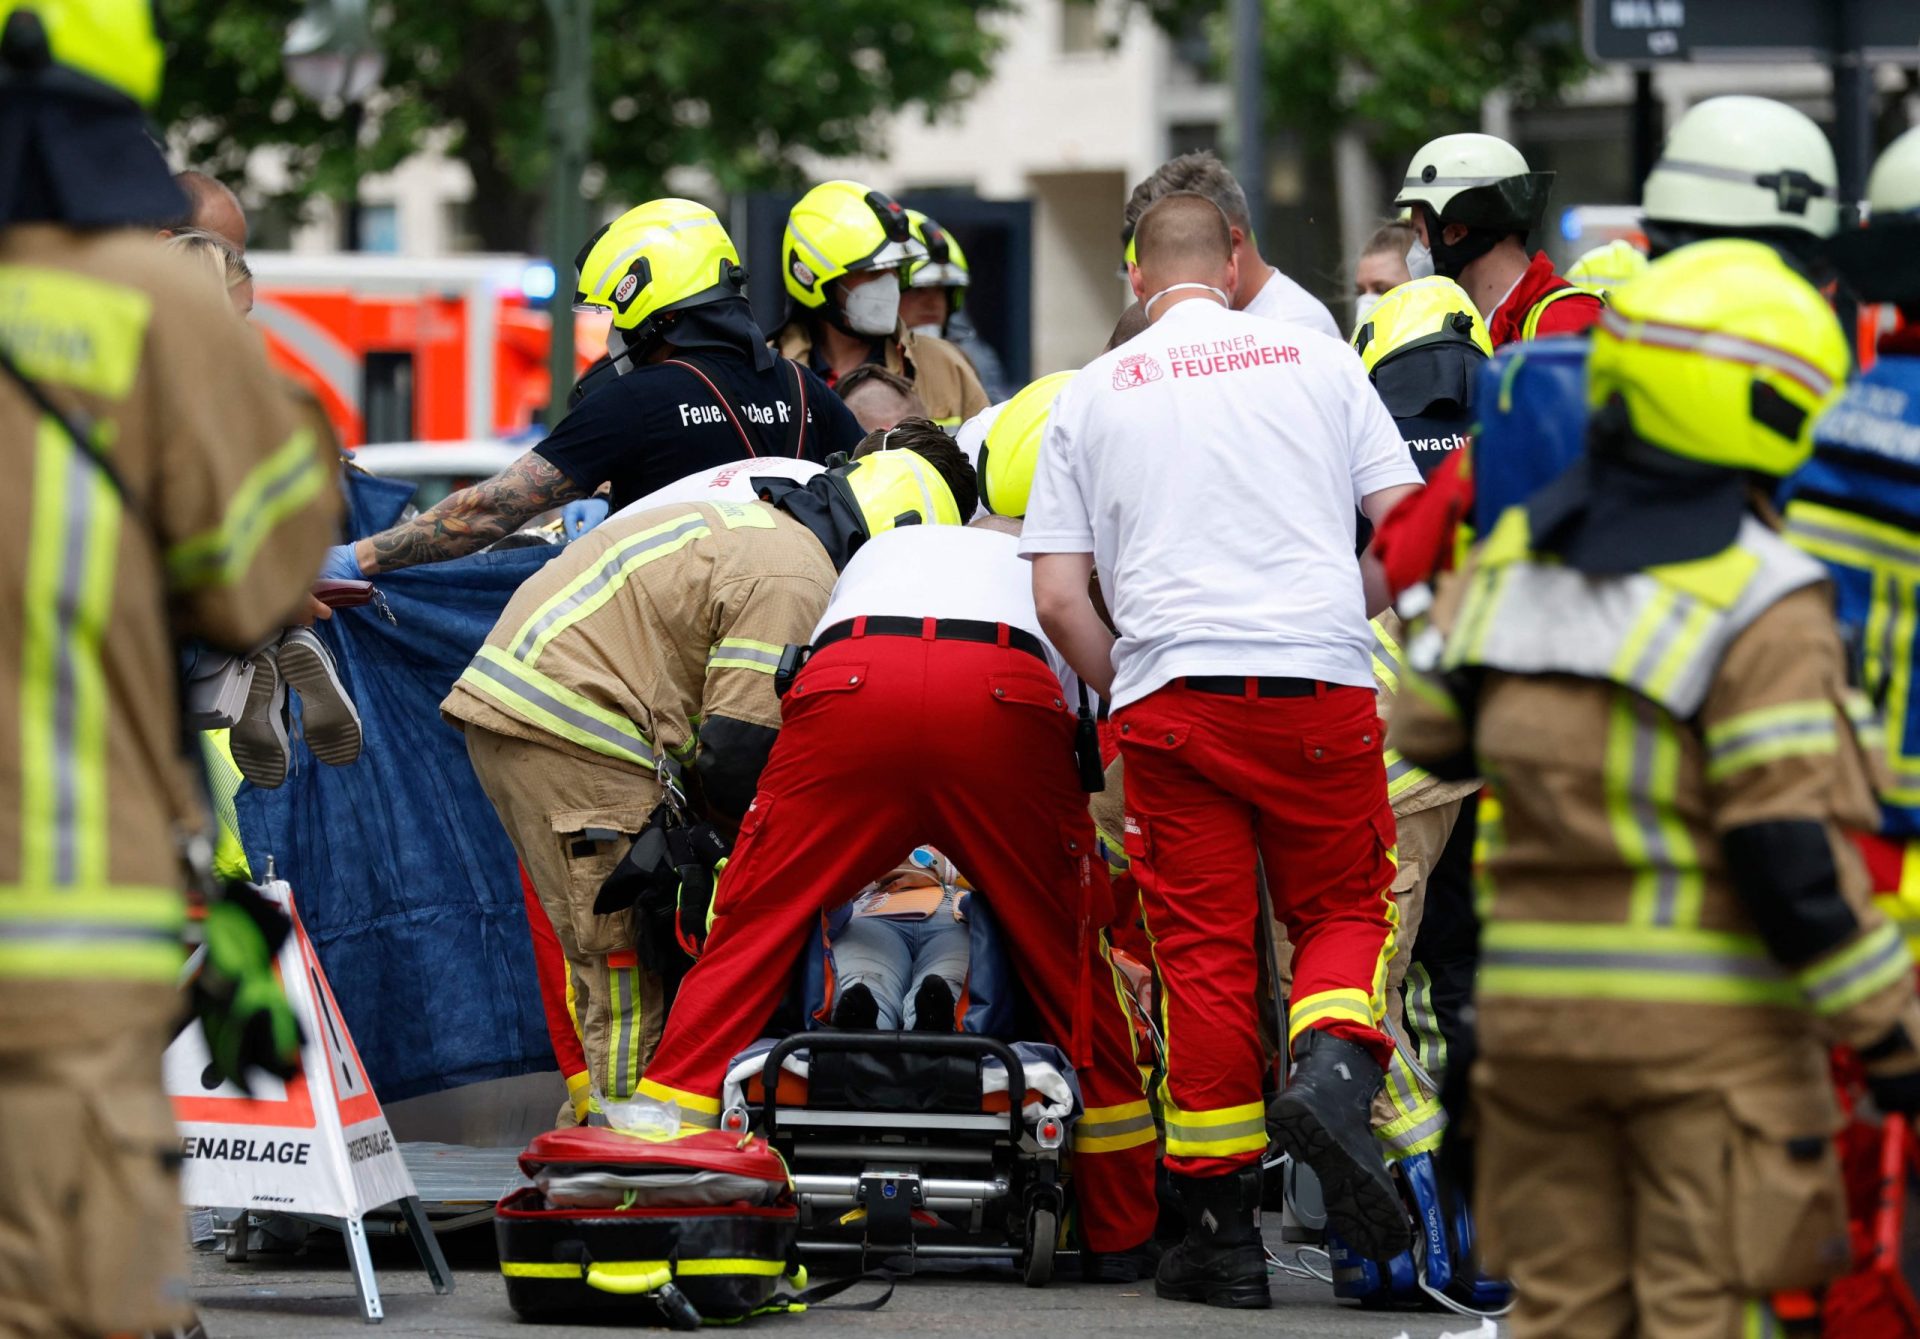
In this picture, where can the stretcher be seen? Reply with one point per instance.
(908, 1147)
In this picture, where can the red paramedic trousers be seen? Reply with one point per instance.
(888, 742)
(1213, 781)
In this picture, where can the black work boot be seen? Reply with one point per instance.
(1222, 1261)
(933, 1006)
(1322, 1120)
(856, 1010)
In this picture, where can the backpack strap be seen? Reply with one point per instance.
(807, 1299)
(797, 425)
(726, 405)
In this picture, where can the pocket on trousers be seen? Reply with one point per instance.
(1327, 747)
(1157, 736)
(592, 843)
(132, 1266)
(1029, 690)
(817, 681)
(1786, 1205)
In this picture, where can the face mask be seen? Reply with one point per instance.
(1363, 308)
(934, 331)
(1419, 260)
(873, 308)
(1147, 310)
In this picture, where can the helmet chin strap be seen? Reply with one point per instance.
(619, 351)
(1146, 308)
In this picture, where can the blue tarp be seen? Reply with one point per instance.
(400, 870)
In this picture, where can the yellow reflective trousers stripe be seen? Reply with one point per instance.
(273, 490)
(1345, 1005)
(75, 530)
(693, 1105)
(1111, 1129)
(624, 1031)
(1220, 1133)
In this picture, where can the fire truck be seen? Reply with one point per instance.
(409, 349)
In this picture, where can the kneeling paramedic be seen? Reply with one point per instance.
(628, 690)
(1650, 679)
(929, 663)
(1243, 692)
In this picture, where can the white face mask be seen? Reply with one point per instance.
(1363, 308)
(1419, 260)
(1147, 309)
(874, 307)
(934, 331)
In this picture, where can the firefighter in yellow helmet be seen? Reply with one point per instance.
(843, 261)
(624, 705)
(1674, 924)
(1605, 267)
(934, 302)
(165, 486)
(689, 383)
(1004, 444)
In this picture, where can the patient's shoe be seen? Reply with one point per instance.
(933, 1006)
(857, 1010)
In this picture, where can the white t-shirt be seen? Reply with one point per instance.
(731, 482)
(1281, 299)
(940, 571)
(1212, 466)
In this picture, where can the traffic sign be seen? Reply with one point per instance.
(1640, 32)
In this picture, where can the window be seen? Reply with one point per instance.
(1080, 27)
(380, 228)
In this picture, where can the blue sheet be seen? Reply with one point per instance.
(400, 870)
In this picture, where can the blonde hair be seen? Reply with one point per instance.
(214, 251)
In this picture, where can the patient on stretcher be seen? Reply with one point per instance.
(900, 959)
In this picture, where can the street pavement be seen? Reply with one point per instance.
(313, 1294)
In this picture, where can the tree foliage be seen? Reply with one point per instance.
(1403, 70)
(740, 88)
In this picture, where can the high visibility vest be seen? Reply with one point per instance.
(1530, 328)
(1402, 776)
(1660, 633)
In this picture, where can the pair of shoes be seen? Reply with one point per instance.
(300, 662)
(1128, 1266)
(1221, 1261)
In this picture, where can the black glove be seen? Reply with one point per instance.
(1892, 1068)
(699, 853)
(238, 999)
(646, 882)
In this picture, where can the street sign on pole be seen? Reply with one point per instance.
(1638, 32)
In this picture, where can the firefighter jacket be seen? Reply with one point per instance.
(655, 637)
(1411, 789)
(228, 508)
(1628, 727)
(940, 373)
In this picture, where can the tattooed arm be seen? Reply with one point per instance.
(470, 519)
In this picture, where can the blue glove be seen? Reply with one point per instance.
(341, 565)
(581, 515)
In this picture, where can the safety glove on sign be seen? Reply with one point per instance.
(248, 1021)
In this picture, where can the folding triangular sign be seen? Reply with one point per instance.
(318, 1144)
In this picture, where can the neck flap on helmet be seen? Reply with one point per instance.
(825, 505)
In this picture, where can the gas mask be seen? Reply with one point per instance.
(872, 309)
(1146, 309)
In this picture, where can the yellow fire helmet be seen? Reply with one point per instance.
(945, 265)
(654, 260)
(106, 42)
(839, 228)
(1011, 450)
(895, 488)
(1723, 354)
(1608, 266)
(1433, 310)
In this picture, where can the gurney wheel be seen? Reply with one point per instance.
(1043, 1230)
